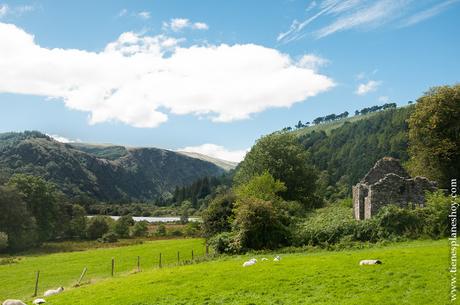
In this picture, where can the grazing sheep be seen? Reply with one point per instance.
(264, 259)
(53, 291)
(277, 258)
(38, 301)
(13, 302)
(370, 262)
(249, 262)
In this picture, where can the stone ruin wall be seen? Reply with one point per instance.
(388, 183)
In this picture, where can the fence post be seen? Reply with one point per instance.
(81, 276)
(37, 276)
(207, 249)
(138, 264)
(192, 255)
(178, 258)
(113, 265)
(160, 260)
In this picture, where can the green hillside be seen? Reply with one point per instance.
(105, 173)
(411, 273)
(343, 151)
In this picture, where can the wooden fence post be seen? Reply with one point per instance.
(159, 264)
(81, 276)
(113, 265)
(178, 258)
(207, 249)
(37, 276)
(138, 264)
(192, 255)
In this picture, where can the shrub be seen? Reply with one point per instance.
(110, 237)
(224, 243)
(140, 229)
(3, 241)
(161, 230)
(216, 218)
(394, 221)
(258, 225)
(122, 226)
(97, 227)
(438, 205)
(193, 229)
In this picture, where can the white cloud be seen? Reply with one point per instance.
(123, 12)
(217, 151)
(384, 99)
(178, 24)
(371, 16)
(138, 80)
(312, 62)
(62, 139)
(3, 10)
(144, 14)
(15, 10)
(200, 26)
(365, 88)
(343, 15)
(428, 13)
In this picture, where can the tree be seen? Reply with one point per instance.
(140, 229)
(97, 227)
(41, 201)
(216, 218)
(122, 225)
(286, 160)
(16, 221)
(434, 133)
(78, 222)
(258, 225)
(3, 241)
(263, 187)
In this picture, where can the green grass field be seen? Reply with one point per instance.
(63, 269)
(411, 273)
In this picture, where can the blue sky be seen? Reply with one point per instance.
(181, 74)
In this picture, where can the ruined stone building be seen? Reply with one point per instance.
(388, 183)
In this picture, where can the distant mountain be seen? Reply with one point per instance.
(227, 165)
(103, 172)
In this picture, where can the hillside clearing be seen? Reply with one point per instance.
(412, 273)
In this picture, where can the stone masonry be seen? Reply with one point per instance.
(388, 183)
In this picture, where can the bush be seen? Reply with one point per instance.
(216, 218)
(224, 243)
(3, 241)
(258, 225)
(393, 221)
(122, 226)
(97, 227)
(193, 228)
(140, 229)
(161, 230)
(110, 237)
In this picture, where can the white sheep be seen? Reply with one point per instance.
(250, 262)
(277, 258)
(370, 262)
(53, 291)
(13, 302)
(38, 301)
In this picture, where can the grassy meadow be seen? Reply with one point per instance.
(17, 280)
(412, 273)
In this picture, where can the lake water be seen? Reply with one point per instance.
(156, 219)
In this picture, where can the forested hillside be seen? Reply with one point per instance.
(105, 173)
(345, 154)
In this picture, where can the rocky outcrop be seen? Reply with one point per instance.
(388, 183)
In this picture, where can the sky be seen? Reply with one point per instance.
(214, 76)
